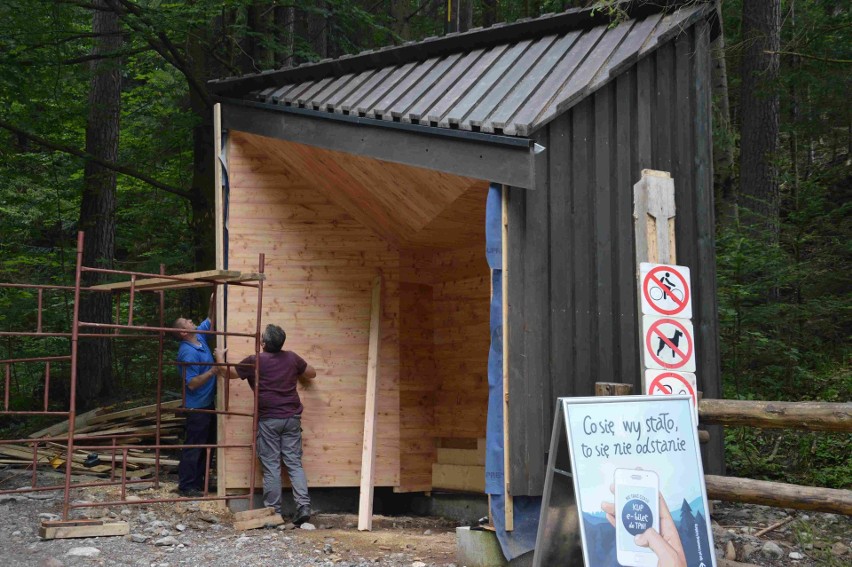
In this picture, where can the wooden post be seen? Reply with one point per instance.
(613, 389)
(811, 416)
(654, 218)
(509, 504)
(368, 453)
(221, 481)
(654, 229)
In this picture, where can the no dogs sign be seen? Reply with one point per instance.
(668, 344)
(665, 290)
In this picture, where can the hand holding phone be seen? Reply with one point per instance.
(638, 502)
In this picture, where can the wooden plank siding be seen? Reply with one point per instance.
(572, 295)
(322, 254)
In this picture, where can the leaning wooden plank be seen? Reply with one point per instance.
(269, 518)
(368, 453)
(458, 477)
(252, 514)
(62, 427)
(84, 528)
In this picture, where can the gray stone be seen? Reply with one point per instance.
(166, 541)
(288, 526)
(44, 495)
(418, 564)
(209, 518)
(730, 551)
(772, 550)
(478, 548)
(48, 516)
(796, 555)
(84, 552)
(839, 549)
(51, 562)
(126, 512)
(16, 533)
(308, 526)
(159, 524)
(427, 532)
(140, 486)
(138, 538)
(5, 498)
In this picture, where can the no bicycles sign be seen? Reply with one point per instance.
(666, 290)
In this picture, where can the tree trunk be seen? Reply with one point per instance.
(285, 26)
(723, 140)
(489, 13)
(97, 207)
(202, 193)
(318, 29)
(759, 117)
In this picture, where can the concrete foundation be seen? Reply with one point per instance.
(478, 548)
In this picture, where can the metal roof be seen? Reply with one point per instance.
(510, 87)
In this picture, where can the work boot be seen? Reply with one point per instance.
(302, 515)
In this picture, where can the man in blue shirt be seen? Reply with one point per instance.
(200, 380)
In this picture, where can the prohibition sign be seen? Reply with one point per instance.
(654, 280)
(682, 354)
(667, 383)
(657, 388)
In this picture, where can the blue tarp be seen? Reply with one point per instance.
(526, 508)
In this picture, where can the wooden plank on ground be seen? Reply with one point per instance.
(368, 453)
(83, 528)
(458, 477)
(253, 519)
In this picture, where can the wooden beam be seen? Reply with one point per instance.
(811, 416)
(191, 280)
(509, 510)
(466, 478)
(219, 220)
(82, 528)
(779, 494)
(368, 453)
(613, 389)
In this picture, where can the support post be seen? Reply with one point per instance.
(509, 507)
(368, 452)
(221, 390)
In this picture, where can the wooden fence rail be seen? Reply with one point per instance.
(812, 416)
(809, 416)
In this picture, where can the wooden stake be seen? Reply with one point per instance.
(509, 504)
(221, 476)
(368, 453)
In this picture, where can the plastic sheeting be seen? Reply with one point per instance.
(526, 508)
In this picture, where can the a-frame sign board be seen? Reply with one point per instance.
(624, 485)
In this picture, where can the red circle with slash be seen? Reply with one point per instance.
(652, 277)
(656, 384)
(654, 329)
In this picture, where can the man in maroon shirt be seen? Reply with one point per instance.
(279, 433)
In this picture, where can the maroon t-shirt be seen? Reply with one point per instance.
(279, 372)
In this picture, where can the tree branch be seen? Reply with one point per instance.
(109, 55)
(89, 157)
(806, 56)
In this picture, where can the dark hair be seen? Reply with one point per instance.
(273, 338)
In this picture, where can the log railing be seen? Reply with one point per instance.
(809, 416)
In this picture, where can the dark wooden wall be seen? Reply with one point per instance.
(572, 278)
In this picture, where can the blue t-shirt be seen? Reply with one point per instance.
(200, 355)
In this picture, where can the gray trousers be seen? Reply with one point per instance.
(281, 440)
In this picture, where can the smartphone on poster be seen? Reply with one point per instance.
(637, 508)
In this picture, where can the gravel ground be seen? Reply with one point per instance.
(198, 533)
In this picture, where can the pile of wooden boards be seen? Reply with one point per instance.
(97, 428)
(460, 466)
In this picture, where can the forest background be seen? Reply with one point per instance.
(106, 126)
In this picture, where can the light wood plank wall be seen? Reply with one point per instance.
(320, 264)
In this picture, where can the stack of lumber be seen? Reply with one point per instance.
(460, 466)
(97, 427)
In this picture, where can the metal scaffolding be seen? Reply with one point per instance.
(120, 444)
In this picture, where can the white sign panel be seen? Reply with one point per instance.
(668, 344)
(638, 482)
(666, 290)
(670, 383)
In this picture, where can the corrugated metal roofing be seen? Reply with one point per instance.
(512, 88)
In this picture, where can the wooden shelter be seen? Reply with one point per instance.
(378, 164)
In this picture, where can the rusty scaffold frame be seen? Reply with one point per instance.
(118, 475)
